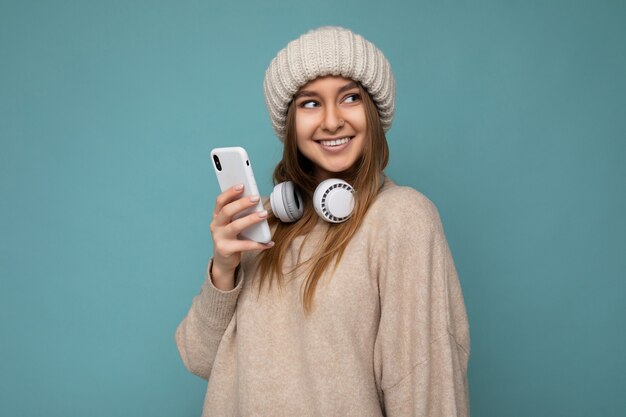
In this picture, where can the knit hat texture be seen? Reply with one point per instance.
(328, 50)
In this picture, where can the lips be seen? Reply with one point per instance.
(329, 143)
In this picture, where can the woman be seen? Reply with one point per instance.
(360, 318)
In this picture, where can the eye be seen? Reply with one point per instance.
(352, 98)
(309, 104)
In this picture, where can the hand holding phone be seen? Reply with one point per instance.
(238, 216)
(232, 166)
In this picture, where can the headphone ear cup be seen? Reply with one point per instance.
(333, 200)
(286, 202)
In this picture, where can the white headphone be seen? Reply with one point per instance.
(333, 201)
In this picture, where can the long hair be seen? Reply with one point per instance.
(365, 177)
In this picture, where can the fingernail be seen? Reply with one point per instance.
(269, 244)
(262, 213)
(254, 198)
(239, 187)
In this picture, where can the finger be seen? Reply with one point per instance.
(226, 197)
(239, 205)
(225, 215)
(237, 226)
(224, 234)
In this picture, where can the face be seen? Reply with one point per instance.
(330, 124)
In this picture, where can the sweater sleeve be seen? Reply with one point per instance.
(199, 334)
(422, 344)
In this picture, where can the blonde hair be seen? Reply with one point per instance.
(364, 176)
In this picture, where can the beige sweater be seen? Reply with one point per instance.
(388, 335)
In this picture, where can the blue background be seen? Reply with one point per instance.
(510, 117)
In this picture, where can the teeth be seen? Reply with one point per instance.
(335, 142)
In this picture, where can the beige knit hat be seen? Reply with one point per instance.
(324, 51)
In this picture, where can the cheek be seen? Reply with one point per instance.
(302, 144)
(357, 118)
(361, 149)
(305, 127)
(302, 137)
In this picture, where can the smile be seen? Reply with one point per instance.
(335, 142)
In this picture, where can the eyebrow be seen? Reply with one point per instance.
(306, 93)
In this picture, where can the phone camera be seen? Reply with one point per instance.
(218, 165)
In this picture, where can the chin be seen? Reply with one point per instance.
(336, 172)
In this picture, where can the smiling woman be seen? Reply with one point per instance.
(330, 125)
(358, 317)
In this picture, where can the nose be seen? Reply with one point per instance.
(332, 120)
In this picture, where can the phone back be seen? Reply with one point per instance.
(232, 166)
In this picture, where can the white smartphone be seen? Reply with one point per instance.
(232, 166)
